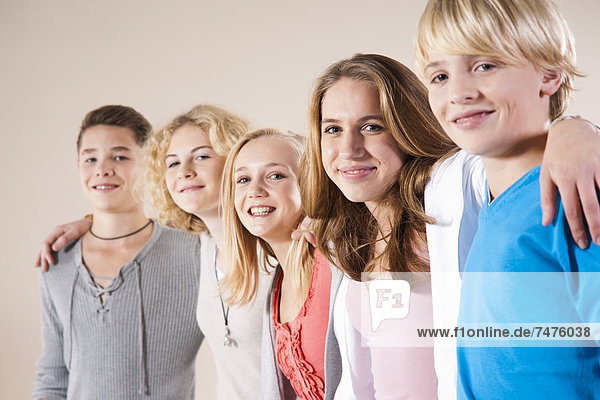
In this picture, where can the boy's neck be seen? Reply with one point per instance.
(503, 172)
(113, 224)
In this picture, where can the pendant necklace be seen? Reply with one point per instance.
(227, 340)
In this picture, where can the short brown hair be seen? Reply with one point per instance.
(116, 115)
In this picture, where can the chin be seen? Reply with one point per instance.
(474, 150)
(358, 197)
(254, 230)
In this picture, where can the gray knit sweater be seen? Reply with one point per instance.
(140, 343)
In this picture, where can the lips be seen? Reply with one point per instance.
(356, 171)
(260, 211)
(190, 188)
(471, 118)
(105, 186)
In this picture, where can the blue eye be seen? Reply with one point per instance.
(173, 164)
(332, 130)
(439, 78)
(373, 128)
(202, 157)
(277, 176)
(121, 158)
(485, 67)
(89, 160)
(242, 180)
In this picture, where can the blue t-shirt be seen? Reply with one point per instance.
(520, 272)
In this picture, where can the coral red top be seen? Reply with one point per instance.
(300, 344)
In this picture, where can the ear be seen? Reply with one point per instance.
(551, 81)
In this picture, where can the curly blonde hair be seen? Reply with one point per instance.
(223, 129)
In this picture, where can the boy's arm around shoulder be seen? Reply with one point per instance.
(572, 164)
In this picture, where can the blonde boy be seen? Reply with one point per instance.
(498, 72)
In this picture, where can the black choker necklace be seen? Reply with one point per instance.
(122, 236)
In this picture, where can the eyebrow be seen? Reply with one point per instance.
(269, 165)
(363, 119)
(116, 148)
(195, 149)
(434, 64)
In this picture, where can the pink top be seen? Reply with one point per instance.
(300, 344)
(401, 363)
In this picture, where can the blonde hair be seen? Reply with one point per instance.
(511, 31)
(245, 252)
(223, 129)
(409, 120)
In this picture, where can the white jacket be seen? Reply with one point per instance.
(453, 197)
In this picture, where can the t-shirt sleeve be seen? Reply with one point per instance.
(53, 375)
(588, 284)
(583, 265)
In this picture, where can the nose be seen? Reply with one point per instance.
(256, 189)
(462, 89)
(185, 171)
(104, 168)
(351, 145)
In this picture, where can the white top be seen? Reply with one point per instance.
(238, 365)
(356, 382)
(453, 197)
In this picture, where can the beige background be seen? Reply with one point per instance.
(60, 59)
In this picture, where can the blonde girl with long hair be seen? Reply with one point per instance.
(261, 208)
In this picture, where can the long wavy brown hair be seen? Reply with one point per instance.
(346, 232)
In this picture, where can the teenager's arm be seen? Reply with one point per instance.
(572, 164)
(58, 238)
(53, 376)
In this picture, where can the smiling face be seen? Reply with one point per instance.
(194, 170)
(266, 193)
(107, 159)
(489, 108)
(358, 152)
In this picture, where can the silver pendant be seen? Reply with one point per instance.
(227, 341)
